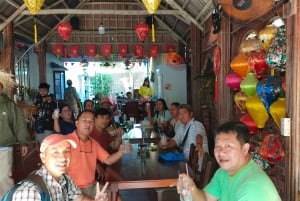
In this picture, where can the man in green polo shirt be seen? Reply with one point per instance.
(238, 178)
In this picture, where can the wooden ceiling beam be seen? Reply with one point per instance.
(12, 3)
(204, 10)
(12, 17)
(100, 12)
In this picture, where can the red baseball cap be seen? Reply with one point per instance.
(54, 139)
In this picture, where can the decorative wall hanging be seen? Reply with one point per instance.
(139, 51)
(74, 51)
(240, 100)
(217, 57)
(250, 123)
(269, 90)
(216, 18)
(233, 81)
(106, 50)
(91, 50)
(153, 51)
(277, 111)
(257, 111)
(266, 36)
(123, 50)
(257, 63)
(142, 30)
(239, 65)
(271, 149)
(58, 50)
(34, 7)
(248, 85)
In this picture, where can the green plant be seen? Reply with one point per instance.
(100, 84)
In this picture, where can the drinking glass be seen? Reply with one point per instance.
(185, 191)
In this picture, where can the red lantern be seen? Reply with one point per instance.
(106, 50)
(64, 29)
(170, 48)
(138, 51)
(258, 64)
(141, 31)
(91, 50)
(36, 50)
(123, 50)
(58, 49)
(74, 51)
(172, 58)
(250, 123)
(233, 80)
(153, 51)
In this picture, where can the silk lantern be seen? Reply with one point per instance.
(64, 29)
(257, 63)
(106, 50)
(172, 58)
(74, 51)
(138, 51)
(277, 111)
(271, 149)
(123, 50)
(248, 85)
(58, 49)
(151, 5)
(250, 123)
(91, 50)
(266, 36)
(34, 7)
(276, 55)
(240, 100)
(142, 30)
(249, 45)
(268, 90)
(170, 48)
(153, 51)
(239, 65)
(233, 81)
(257, 111)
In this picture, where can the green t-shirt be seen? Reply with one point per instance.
(251, 183)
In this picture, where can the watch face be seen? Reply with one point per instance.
(241, 4)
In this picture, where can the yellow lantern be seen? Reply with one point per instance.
(257, 111)
(266, 35)
(277, 110)
(152, 6)
(34, 7)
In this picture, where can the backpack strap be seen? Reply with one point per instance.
(39, 181)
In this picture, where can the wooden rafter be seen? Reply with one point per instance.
(12, 17)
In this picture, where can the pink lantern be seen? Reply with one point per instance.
(250, 123)
(258, 64)
(248, 85)
(233, 81)
(64, 29)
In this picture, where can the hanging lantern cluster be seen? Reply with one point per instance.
(34, 7)
(259, 92)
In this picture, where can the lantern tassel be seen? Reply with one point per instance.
(216, 90)
(35, 31)
(272, 72)
(153, 30)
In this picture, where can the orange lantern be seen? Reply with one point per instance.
(153, 51)
(248, 85)
(172, 58)
(64, 29)
(139, 51)
(271, 149)
(74, 51)
(266, 35)
(277, 110)
(58, 49)
(91, 50)
(257, 111)
(123, 50)
(142, 30)
(240, 100)
(246, 119)
(239, 65)
(106, 50)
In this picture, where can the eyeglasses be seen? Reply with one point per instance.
(86, 146)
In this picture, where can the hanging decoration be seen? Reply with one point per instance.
(250, 123)
(217, 57)
(34, 7)
(269, 90)
(248, 85)
(277, 111)
(276, 55)
(142, 30)
(216, 18)
(239, 65)
(233, 81)
(58, 49)
(173, 59)
(266, 36)
(257, 63)
(123, 50)
(153, 51)
(36, 50)
(64, 29)
(240, 100)
(257, 111)
(91, 50)
(74, 51)
(106, 50)
(139, 51)
(249, 45)
(170, 48)
(271, 149)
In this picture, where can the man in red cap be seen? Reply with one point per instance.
(56, 156)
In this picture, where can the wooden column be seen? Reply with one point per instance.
(293, 103)
(224, 104)
(42, 62)
(7, 56)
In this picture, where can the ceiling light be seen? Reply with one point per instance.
(101, 29)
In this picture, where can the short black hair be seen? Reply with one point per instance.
(86, 101)
(44, 85)
(163, 102)
(176, 104)
(241, 130)
(185, 106)
(102, 112)
(84, 111)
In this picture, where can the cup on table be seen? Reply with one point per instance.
(56, 113)
(185, 191)
(163, 141)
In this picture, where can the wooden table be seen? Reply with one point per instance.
(131, 172)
